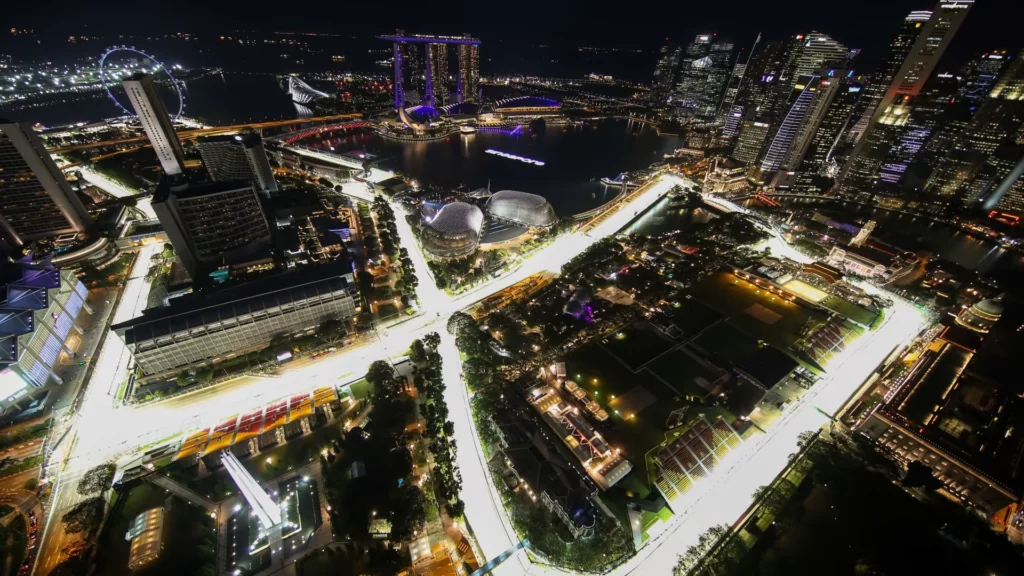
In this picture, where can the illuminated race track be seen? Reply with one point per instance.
(105, 432)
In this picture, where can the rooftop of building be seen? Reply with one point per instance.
(201, 308)
(872, 254)
(767, 365)
(458, 217)
(246, 138)
(164, 189)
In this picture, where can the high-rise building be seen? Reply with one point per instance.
(414, 66)
(979, 76)
(152, 114)
(798, 129)
(692, 75)
(829, 136)
(213, 224)
(469, 72)
(750, 141)
(997, 123)
(860, 172)
(421, 76)
(719, 71)
(437, 74)
(762, 73)
(811, 53)
(36, 200)
(238, 157)
(665, 72)
(899, 49)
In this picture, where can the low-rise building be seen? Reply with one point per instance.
(726, 176)
(541, 473)
(146, 537)
(204, 328)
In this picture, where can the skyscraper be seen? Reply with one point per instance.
(979, 76)
(812, 52)
(692, 75)
(750, 141)
(762, 73)
(213, 224)
(899, 48)
(985, 153)
(437, 74)
(414, 64)
(36, 200)
(665, 72)
(155, 120)
(819, 158)
(238, 157)
(883, 129)
(798, 129)
(469, 72)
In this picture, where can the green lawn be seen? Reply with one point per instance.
(605, 378)
(682, 371)
(734, 297)
(636, 344)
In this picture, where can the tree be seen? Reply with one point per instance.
(85, 516)
(695, 553)
(408, 513)
(775, 496)
(920, 475)
(31, 484)
(455, 509)
(97, 479)
(182, 379)
(417, 352)
(432, 341)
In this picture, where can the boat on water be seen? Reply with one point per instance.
(617, 181)
(467, 129)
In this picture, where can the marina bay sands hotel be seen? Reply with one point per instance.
(422, 69)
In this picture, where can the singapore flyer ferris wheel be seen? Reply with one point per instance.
(111, 77)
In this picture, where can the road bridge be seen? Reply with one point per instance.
(209, 131)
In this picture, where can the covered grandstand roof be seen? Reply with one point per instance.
(521, 208)
(458, 217)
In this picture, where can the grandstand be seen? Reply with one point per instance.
(693, 454)
(829, 339)
(241, 428)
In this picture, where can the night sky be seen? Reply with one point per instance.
(866, 24)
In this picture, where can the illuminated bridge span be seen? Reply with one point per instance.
(304, 93)
(293, 137)
(211, 131)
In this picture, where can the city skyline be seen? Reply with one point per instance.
(463, 297)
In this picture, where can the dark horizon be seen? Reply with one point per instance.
(868, 25)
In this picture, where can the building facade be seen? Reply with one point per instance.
(665, 72)
(205, 328)
(36, 200)
(750, 141)
(37, 317)
(214, 224)
(860, 173)
(152, 114)
(469, 72)
(238, 157)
